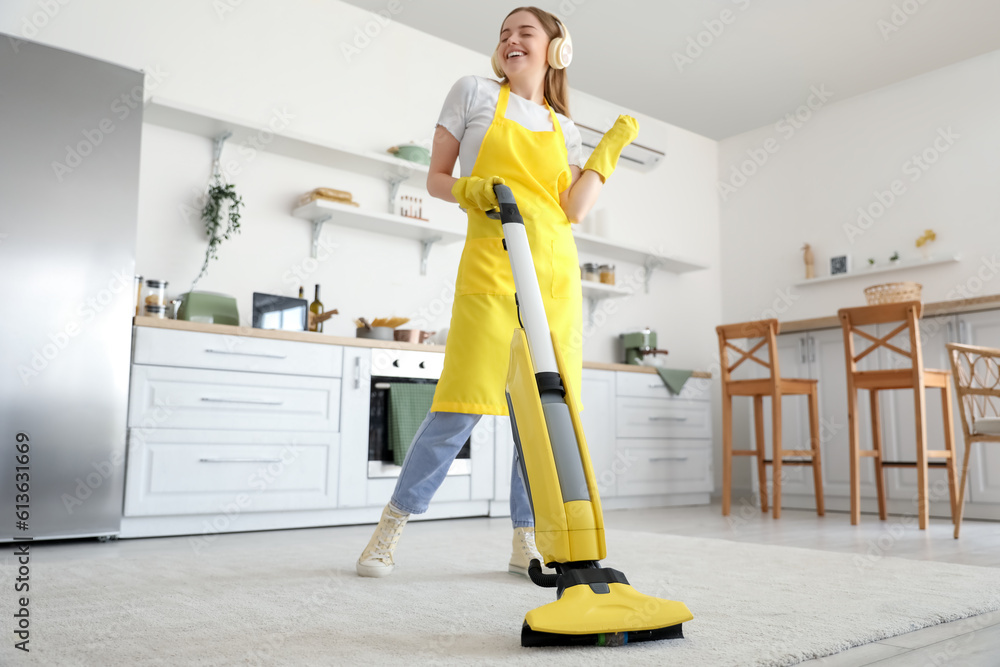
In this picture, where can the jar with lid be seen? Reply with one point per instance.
(590, 272)
(156, 293)
(607, 272)
(137, 290)
(152, 310)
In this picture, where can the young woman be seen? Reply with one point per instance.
(516, 131)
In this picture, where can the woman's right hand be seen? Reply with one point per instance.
(473, 192)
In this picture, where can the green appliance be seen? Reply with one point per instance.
(637, 344)
(209, 307)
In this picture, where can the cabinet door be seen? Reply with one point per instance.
(598, 417)
(355, 399)
(482, 458)
(899, 415)
(983, 329)
(503, 441)
(793, 362)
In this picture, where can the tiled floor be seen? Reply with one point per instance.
(972, 642)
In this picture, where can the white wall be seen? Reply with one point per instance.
(846, 156)
(265, 56)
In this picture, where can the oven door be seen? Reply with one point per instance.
(381, 462)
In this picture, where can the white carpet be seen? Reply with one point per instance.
(450, 602)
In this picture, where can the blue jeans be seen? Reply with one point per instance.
(434, 447)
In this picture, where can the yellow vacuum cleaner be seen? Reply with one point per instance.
(594, 605)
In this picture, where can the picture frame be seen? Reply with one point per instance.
(840, 264)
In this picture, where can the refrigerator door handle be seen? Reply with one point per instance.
(248, 354)
(209, 399)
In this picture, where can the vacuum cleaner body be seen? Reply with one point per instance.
(594, 605)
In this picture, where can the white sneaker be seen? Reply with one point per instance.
(376, 559)
(523, 551)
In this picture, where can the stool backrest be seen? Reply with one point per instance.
(906, 312)
(976, 372)
(765, 330)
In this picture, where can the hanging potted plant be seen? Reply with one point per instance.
(220, 195)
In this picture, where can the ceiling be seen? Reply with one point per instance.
(757, 61)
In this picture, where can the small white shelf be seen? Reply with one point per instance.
(209, 124)
(320, 211)
(900, 266)
(598, 245)
(595, 290)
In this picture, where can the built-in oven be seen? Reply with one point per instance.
(392, 367)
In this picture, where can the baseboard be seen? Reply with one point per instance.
(647, 502)
(211, 524)
(938, 510)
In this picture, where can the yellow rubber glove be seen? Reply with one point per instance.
(604, 159)
(473, 192)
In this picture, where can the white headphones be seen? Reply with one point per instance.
(560, 52)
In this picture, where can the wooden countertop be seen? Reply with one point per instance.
(934, 309)
(312, 337)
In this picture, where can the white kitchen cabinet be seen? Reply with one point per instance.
(188, 471)
(597, 393)
(354, 403)
(983, 329)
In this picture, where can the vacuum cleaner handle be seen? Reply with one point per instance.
(508, 206)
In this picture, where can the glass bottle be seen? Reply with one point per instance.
(316, 308)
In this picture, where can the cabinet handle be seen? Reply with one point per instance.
(357, 372)
(802, 350)
(239, 400)
(668, 458)
(248, 354)
(668, 419)
(812, 349)
(240, 460)
(951, 330)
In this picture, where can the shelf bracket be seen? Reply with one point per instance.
(217, 144)
(425, 252)
(394, 182)
(317, 230)
(650, 264)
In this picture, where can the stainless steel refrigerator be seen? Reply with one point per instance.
(70, 129)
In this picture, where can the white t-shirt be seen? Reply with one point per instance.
(469, 109)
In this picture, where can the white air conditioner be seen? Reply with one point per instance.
(635, 155)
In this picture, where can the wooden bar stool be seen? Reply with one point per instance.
(776, 387)
(976, 371)
(915, 378)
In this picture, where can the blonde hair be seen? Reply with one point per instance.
(556, 83)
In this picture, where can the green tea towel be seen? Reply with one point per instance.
(673, 378)
(409, 403)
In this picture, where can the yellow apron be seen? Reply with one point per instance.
(484, 317)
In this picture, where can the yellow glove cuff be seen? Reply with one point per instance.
(473, 192)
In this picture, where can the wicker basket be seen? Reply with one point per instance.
(892, 293)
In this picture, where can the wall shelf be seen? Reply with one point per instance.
(209, 124)
(912, 264)
(621, 252)
(594, 292)
(320, 211)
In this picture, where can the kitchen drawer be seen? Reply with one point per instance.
(226, 473)
(165, 397)
(662, 418)
(649, 385)
(194, 349)
(650, 468)
(388, 362)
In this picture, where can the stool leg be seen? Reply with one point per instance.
(961, 489)
(777, 453)
(727, 450)
(877, 446)
(923, 502)
(949, 444)
(758, 417)
(852, 423)
(817, 461)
